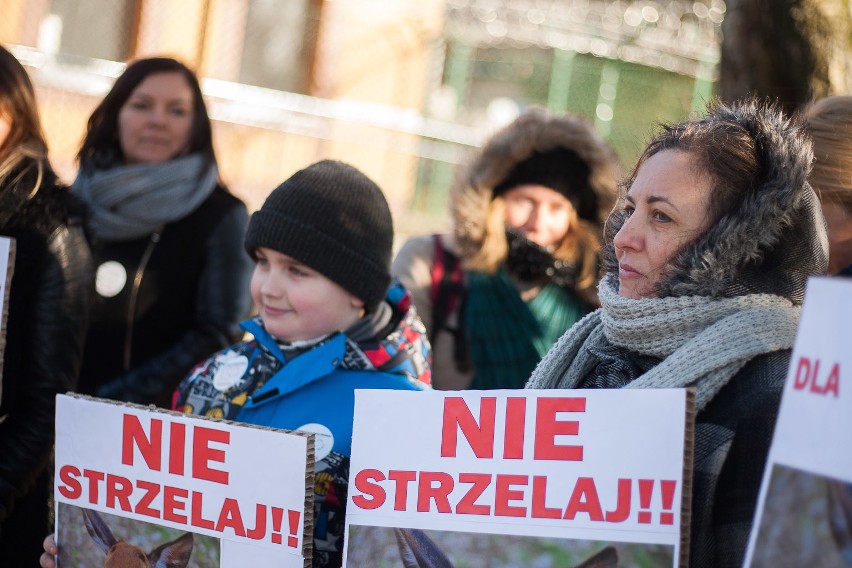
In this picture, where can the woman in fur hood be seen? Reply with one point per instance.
(521, 264)
(706, 255)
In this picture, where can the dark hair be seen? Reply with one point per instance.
(720, 147)
(766, 232)
(24, 149)
(101, 148)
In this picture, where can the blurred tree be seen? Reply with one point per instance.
(792, 50)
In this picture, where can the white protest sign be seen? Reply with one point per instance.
(601, 466)
(804, 515)
(7, 268)
(241, 491)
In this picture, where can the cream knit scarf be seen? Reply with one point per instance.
(703, 341)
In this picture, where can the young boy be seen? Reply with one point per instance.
(329, 322)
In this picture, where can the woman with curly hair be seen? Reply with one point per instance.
(706, 258)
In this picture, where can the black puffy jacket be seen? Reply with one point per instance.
(48, 308)
(167, 301)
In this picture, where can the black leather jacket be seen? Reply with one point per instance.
(48, 308)
(167, 301)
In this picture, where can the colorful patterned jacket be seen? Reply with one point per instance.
(256, 382)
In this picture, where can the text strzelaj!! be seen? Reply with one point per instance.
(513, 495)
(207, 462)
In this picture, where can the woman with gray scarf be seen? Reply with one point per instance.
(706, 258)
(166, 236)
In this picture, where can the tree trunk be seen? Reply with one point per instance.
(794, 51)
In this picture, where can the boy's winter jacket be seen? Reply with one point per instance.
(262, 382)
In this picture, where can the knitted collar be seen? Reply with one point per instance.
(128, 202)
(531, 262)
(704, 341)
(398, 343)
(508, 336)
(366, 328)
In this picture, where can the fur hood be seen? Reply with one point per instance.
(773, 240)
(534, 131)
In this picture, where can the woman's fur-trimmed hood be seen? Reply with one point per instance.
(773, 240)
(534, 131)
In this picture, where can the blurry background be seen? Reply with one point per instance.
(403, 89)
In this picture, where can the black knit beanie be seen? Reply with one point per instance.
(559, 169)
(335, 220)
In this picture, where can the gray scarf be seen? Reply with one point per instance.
(128, 202)
(704, 341)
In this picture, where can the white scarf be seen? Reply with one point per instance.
(128, 202)
(704, 341)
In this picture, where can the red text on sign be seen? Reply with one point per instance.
(179, 505)
(512, 496)
(809, 377)
(150, 446)
(478, 431)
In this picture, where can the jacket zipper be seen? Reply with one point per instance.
(134, 294)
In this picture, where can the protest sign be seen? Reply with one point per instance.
(804, 515)
(149, 477)
(496, 478)
(7, 268)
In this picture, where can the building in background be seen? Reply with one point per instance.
(626, 65)
(401, 89)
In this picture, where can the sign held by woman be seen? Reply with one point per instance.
(601, 468)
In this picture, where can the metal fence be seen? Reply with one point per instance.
(404, 90)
